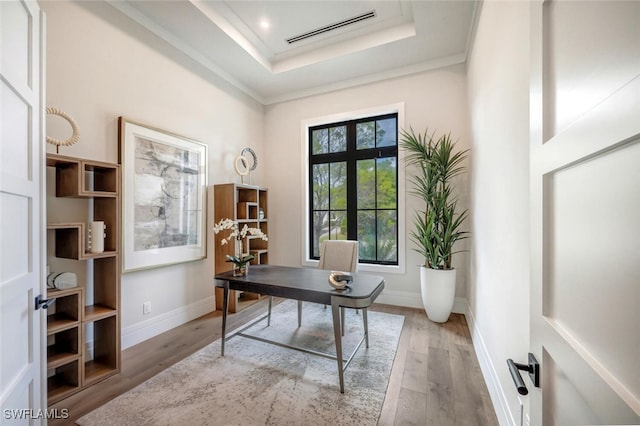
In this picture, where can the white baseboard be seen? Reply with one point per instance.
(147, 329)
(414, 300)
(498, 398)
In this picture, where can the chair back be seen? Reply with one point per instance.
(339, 255)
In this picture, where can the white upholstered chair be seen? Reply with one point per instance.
(336, 255)
(339, 255)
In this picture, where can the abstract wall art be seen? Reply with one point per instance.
(164, 190)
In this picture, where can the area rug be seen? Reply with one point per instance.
(256, 383)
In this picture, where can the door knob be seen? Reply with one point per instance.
(533, 368)
(43, 303)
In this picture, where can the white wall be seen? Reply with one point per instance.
(434, 99)
(101, 65)
(498, 293)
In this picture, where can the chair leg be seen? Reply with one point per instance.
(299, 313)
(342, 319)
(269, 314)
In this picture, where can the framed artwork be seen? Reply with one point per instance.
(163, 197)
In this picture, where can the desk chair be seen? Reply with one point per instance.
(336, 255)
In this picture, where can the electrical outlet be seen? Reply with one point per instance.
(146, 308)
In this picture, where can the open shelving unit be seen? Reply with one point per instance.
(246, 204)
(73, 362)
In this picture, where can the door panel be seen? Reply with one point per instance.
(22, 392)
(15, 42)
(592, 284)
(585, 150)
(15, 158)
(587, 56)
(567, 403)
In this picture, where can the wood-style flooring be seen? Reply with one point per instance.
(435, 379)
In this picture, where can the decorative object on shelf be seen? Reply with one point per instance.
(97, 234)
(75, 136)
(240, 260)
(62, 280)
(241, 167)
(241, 163)
(164, 182)
(339, 279)
(438, 226)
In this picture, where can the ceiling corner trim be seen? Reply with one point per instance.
(475, 19)
(232, 32)
(182, 46)
(372, 78)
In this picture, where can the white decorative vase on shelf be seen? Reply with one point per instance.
(438, 289)
(97, 234)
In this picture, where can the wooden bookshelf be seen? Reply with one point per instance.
(72, 362)
(247, 204)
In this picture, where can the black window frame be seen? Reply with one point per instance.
(351, 156)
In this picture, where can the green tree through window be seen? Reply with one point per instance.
(353, 175)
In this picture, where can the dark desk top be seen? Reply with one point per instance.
(307, 284)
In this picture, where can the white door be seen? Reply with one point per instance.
(22, 364)
(585, 184)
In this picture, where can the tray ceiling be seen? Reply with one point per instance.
(347, 43)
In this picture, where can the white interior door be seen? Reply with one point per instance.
(22, 371)
(585, 183)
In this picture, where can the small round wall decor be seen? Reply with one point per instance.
(75, 136)
(249, 151)
(241, 163)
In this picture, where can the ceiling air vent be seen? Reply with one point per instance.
(332, 27)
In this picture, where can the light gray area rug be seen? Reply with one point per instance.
(256, 383)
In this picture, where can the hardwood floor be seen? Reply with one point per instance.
(435, 379)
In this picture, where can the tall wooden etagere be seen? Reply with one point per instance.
(246, 204)
(73, 362)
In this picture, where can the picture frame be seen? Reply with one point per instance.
(164, 186)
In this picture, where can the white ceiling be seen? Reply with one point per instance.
(403, 37)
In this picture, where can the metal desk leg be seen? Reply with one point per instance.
(337, 331)
(366, 327)
(269, 313)
(225, 306)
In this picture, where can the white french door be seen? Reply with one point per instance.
(22, 365)
(585, 187)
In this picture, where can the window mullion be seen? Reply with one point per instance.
(352, 190)
(375, 205)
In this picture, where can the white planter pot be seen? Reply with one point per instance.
(438, 288)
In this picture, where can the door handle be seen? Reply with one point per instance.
(44, 303)
(533, 368)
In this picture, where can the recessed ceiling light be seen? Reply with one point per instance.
(264, 24)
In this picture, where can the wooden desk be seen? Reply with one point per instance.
(305, 284)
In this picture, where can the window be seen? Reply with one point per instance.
(353, 186)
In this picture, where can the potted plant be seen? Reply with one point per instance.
(240, 260)
(438, 226)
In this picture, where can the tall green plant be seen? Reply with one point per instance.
(438, 227)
